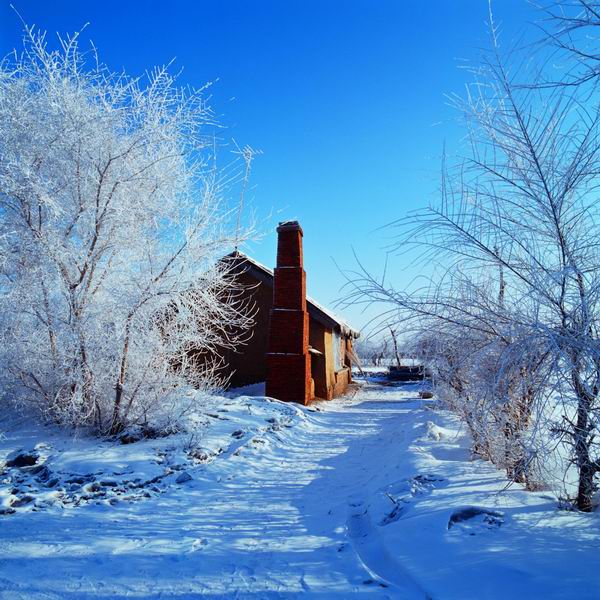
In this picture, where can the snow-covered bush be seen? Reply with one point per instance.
(111, 224)
(495, 387)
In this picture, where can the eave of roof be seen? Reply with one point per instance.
(315, 310)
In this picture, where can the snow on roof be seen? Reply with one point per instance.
(318, 311)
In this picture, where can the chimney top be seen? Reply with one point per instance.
(289, 226)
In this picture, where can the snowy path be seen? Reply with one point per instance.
(260, 523)
(352, 499)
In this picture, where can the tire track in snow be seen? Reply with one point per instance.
(379, 563)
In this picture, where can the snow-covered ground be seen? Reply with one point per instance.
(374, 493)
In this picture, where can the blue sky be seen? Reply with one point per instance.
(346, 100)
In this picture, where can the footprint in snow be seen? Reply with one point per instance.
(472, 519)
(402, 493)
(199, 544)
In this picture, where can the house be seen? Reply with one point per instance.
(301, 350)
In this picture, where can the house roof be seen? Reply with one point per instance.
(315, 310)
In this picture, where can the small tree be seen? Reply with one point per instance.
(111, 223)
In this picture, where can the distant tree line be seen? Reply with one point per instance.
(380, 351)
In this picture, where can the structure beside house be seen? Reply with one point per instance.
(301, 350)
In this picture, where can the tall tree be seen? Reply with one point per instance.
(513, 320)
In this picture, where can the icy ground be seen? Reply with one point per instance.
(371, 494)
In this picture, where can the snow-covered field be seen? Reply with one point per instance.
(374, 493)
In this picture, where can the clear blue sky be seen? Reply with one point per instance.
(344, 98)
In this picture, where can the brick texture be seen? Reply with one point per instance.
(288, 377)
(289, 332)
(288, 360)
(289, 245)
(289, 288)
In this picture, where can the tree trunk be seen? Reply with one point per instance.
(586, 488)
(582, 437)
(395, 342)
(116, 425)
(117, 422)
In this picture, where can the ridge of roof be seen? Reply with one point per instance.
(326, 315)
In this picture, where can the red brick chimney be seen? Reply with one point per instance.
(288, 360)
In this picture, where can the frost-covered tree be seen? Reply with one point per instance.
(571, 31)
(111, 223)
(512, 315)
